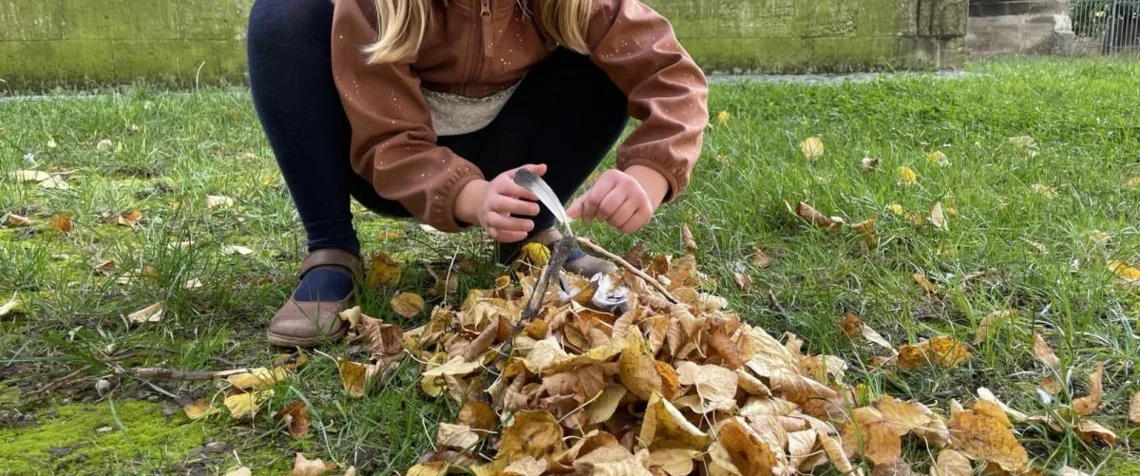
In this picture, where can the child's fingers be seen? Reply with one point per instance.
(511, 189)
(611, 204)
(506, 236)
(624, 213)
(513, 206)
(636, 222)
(505, 223)
(575, 210)
(593, 199)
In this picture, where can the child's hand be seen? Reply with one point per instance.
(503, 202)
(625, 200)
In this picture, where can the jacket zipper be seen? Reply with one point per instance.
(484, 33)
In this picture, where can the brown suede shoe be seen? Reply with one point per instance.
(311, 323)
(586, 265)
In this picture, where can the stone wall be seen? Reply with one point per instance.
(1000, 27)
(49, 42)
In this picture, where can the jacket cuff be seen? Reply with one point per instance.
(442, 214)
(677, 176)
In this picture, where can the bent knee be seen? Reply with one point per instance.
(273, 22)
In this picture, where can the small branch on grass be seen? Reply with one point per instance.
(633, 269)
(171, 374)
(780, 311)
(59, 382)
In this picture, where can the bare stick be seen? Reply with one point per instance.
(170, 374)
(59, 382)
(633, 269)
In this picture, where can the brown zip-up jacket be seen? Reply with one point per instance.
(479, 47)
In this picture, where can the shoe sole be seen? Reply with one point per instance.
(290, 341)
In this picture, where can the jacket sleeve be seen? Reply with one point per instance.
(666, 89)
(393, 143)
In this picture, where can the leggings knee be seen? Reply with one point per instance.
(273, 23)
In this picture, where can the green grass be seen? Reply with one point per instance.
(176, 148)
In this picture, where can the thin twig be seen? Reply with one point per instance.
(776, 304)
(171, 374)
(59, 382)
(633, 269)
(159, 389)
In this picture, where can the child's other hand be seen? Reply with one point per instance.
(625, 200)
(503, 202)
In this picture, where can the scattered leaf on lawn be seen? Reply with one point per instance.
(151, 313)
(29, 175)
(1093, 433)
(870, 164)
(907, 176)
(239, 471)
(61, 223)
(938, 218)
(687, 239)
(1126, 273)
(199, 409)
(383, 271)
(1067, 471)
(352, 377)
(855, 328)
(408, 305)
(895, 209)
(128, 219)
(984, 433)
(305, 467)
(809, 213)
(941, 351)
(215, 201)
(193, 283)
(926, 284)
(722, 117)
(938, 158)
(16, 221)
(236, 249)
(104, 145)
(991, 321)
(760, 258)
(10, 307)
(242, 405)
(1044, 190)
(1088, 404)
(180, 245)
(1045, 353)
(743, 280)
(295, 415)
(952, 463)
(812, 148)
(55, 182)
(1133, 409)
(258, 379)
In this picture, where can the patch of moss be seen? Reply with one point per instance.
(96, 438)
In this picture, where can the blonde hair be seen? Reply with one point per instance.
(402, 24)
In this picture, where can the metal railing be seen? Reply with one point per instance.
(1107, 27)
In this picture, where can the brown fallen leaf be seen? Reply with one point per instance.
(941, 351)
(743, 281)
(151, 313)
(812, 148)
(988, 323)
(637, 371)
(478, 415)
(809, 213)
(61, 223)
(938, 217)
(1093, 433)
(749, 454)
(952, 463)
(687, 239)
(532, 433)
(664, 422)
(984, 433)
(760, 258)
(17, 221)
(434, 468)
(295, 415)
(199, 409)
(383, 271)
(1134, 410)
(130, 219)
(894, 468)
(855, 328)
(408, 305)
(460, 437)
(352, 377)
(1088, 404)
(714, 384)
(1044, 353)
(306, 467)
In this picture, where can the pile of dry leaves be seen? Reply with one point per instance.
(618, 377)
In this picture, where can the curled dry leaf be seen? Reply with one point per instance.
(217, 201)
(952, 463)
(383, 271)
(809, 213)
(1088, 404)
(687, 239)
(17, 221)
(199, 409)
(941, 351)
(352, 377)
(10, 307)
(812, 148)
(743, 281)
(408, 305)
(638, 372)
(984, 433)
(151, 313)
(306, 467)
(1044, 353)
(130, 219)
(1134, 410)
(244, 405)
(29, 175)
(236, 250)
(749, 454)
(532, 433)
(990, 322)
(855, 328)
(61, 223)
(1094, 433)
(295, 415)
(938, 217)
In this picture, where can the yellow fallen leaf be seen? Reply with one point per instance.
(244, 405)
(29, 175)
(1044, 190)
(926, 284)
(1044, 353)
(1088, 404)
(383, 271)
(199, 409)
(715, 384)
(687, 239)
(749, 454)
(672, 460)
(1126, 273)
(983, 433)
(532, 433)
(938, 158)
(258, 379)
(525, 467)
(907, 176)
(236, 250)
(408, 305)
(896, 209)
(938, 218)
(215, 201)
(812, 148)
(434, 468)
(535, 253)
(637, 371)
(295, 415)
(722, 118)
(151, 313)
(941, 351)
(305, 467)
(478, 415)
(352, 377)
(460, 437)
(952, 463)
(987, 324)
(664, 422)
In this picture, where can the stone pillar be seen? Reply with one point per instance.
(998, 27)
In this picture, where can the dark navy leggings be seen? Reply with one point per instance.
(567, 114)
